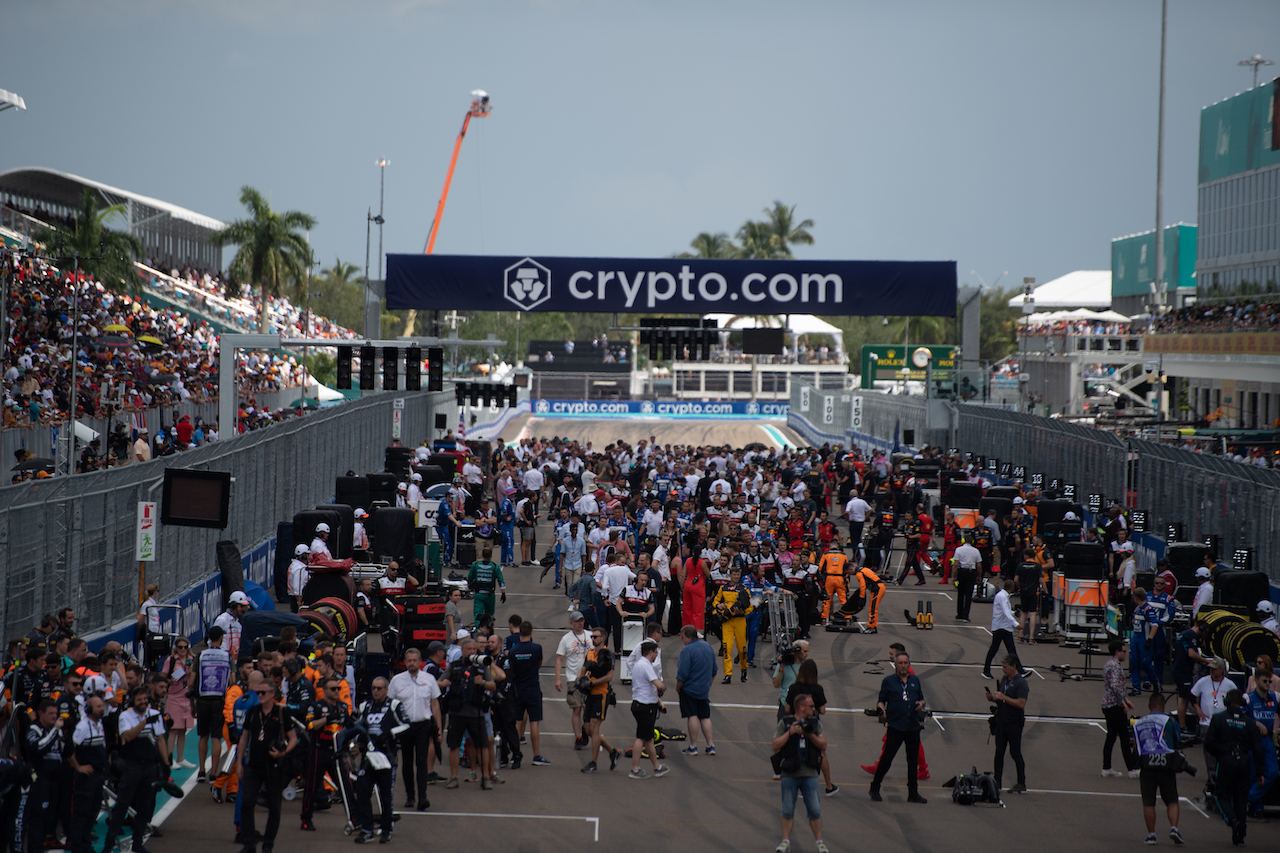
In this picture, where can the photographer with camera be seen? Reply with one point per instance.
(1156, 735)
(465, 683)
(327, 716)
(267, 740)
(798, 744)
(1009, 720)
(1233, 739)
(787, 668)
(140, 731)
(902, 707)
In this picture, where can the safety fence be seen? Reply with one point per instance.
(1209, 495)
(69, 541)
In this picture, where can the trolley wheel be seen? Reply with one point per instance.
(348, 829)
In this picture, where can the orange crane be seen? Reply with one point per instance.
(479, 109)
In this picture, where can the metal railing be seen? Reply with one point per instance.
(69, 541)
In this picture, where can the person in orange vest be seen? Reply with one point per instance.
(833, 566)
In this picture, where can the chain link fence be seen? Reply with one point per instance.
(69, 541)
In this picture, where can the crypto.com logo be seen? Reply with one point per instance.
(527, 284)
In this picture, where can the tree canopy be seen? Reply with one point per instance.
(104, 255)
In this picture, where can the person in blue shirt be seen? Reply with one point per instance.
(1260, 704)
(756, 586)
(235, 726)
(695, 671)
(1146, 622)
(444, 529)
(900, 703)
(1163, 606)
(1156, 736)
(507, 521)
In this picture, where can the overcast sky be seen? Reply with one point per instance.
(1015, 136)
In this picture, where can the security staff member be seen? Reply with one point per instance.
(417, 693)
(733, 603)
(1233, 740)
(484, 578)
(832, 567)
(967, 560)
(42, 749)
(871, 590)
(296, 576)
(143, 748)
(88, 765)
(325, 718)
(384, 720)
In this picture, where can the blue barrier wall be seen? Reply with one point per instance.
(680, 409)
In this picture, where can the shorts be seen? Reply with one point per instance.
(1162, 780)
(800, 786)
(209, 716)
(462, 726)
(575, 699)
(530, 704)
(1030, 602)
(488, 724)
(597, 707)
(646, 718)
(691, 707)
(1184, 683)
(526, 534)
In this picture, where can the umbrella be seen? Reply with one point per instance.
(150, 343)
(117, 327)
(35, 463)
(755, 445)
(309, 402)
(114, 342)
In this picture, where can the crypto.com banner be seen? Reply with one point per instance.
(671, 285)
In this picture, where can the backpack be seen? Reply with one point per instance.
(968, 789)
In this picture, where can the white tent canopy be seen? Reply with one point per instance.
(1079, 289)
(797, 324)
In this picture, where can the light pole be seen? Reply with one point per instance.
(382, 194)
(1028, 306)
(1159, 277)
(1255, 61)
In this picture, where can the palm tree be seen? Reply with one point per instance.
(343, 273)
(758, 240)
(271, 252)
(105, 255)
(784, 228)
(708, 245)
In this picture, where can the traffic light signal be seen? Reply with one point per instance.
(413, 369)
(390, 368)
(344, 368)
(368, 365)
(459, 392)
(435, 369)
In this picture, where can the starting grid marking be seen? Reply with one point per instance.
(594, 821)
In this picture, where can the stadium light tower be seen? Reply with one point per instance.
(1255, 61)
(382, 195)
(10, 101)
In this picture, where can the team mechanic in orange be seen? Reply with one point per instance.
(833, 566)
(871, 590)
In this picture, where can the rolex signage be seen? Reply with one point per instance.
(884, 362)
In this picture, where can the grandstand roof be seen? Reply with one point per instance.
(63, 188)
(1079, 289)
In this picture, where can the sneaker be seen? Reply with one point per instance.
(452, 783)
(200, 777)
(432, 778)
(784, 847)
(1151, 838)
(875, 795)
(728, 679)
(821, 846)
(365, 837)
(831, 792)
(590, 768)
(502, 765)
(744, 676)
(638, 773)
(613, 759)
(689, 750)
(711, 750)
(308, 826)
(662, 770)
(578, 744)
(486, 784)
(496, 779)
(1108, 773)
(556, 586)
(1018, 789)
(515, 762)
(1134, 774)
(916, 798)
(539, 761)
(385, 838)
(217, 793)
(1175, 835)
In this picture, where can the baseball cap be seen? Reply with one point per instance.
(463, 633)
(240, 598)
(1203, 572)
(1070, 516)
(1265, 606)
(322, 527)
(435, 646)
(576, 616)
(300, 550)
(1217, 663)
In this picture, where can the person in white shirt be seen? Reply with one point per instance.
(319, 545)
(596, 539)
(587, 506)
(297, 576)
(418, 693)
(652, 519)
(613, 580)
(148, 614)
(359, 536)
(856, 511)
(1003, 624)
(474, 476)
(229, 622)
(571, 654)
(1210, 692)
(533, 482)
(646, 704)
(1204, 593)
(1267, 612)
(415, 491)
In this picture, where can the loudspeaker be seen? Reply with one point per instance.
(382, 487)
(435, 374)
(231, 568)
(393, 534)
(368, 368)
(442, 420)
(908, 437)
(1243, 589)
(352, 491)
(412, 369)
(344, 368)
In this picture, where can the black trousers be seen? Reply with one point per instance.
(659, 600)
(965, 580)
(414, 745)
(674, 623)
(269, 783)
(615, 629)
(1231, 783)
(504, 726)
(855, 536)
(1117, 729)
(895, 738)
(362, 813)
(319, 762)
(86, 797)
(137, 789)
(42, 807)
(1010, 736)
(1000, 635)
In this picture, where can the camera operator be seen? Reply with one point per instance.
(417, 693)
(901, 706)
(143, 749)
(1010, 718)
(500, 719)
(267, 740)
(383, 720)
(798, 744)
(1156, 735)
(465, 683)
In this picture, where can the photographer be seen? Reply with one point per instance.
(465, 683)
(798, 744)
(901, 706)
(1156, 735)
(143, 749)
(267, 740)
(1010, 718)
(326, 717)
(786, 670)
